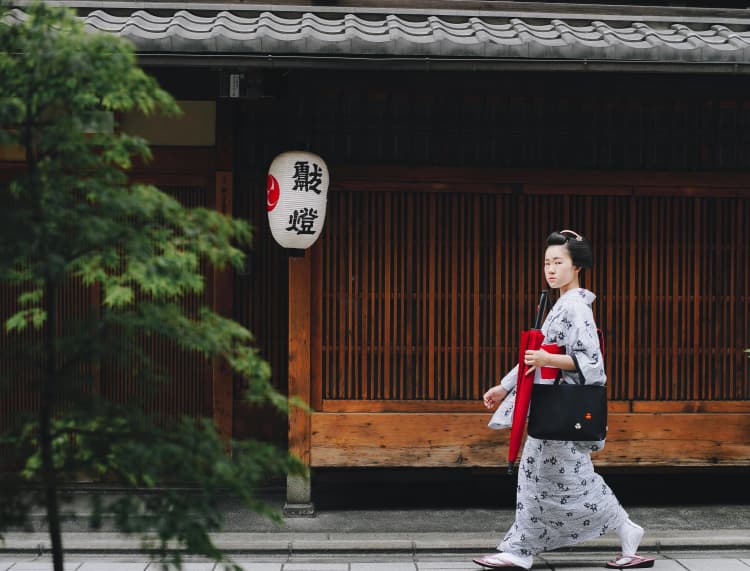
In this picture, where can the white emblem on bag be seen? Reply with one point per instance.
(577, 426)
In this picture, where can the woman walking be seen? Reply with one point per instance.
(560, 499)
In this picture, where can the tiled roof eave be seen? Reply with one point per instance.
(350, 39)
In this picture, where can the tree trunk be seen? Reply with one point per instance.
(49, 382)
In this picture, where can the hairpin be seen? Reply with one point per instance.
(575, 235)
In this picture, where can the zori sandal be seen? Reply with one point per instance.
(630, 562)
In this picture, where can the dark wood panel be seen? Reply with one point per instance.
(532, 120)
(261, 304)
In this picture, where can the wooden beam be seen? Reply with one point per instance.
(614, 406)
(395, 178)
(463, 439)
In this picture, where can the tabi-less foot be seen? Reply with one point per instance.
(630, 562)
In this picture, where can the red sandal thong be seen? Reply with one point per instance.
(630, 562)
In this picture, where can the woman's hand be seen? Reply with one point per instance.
(535, 360)
(494, 396)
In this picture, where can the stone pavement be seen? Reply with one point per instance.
(584, 561)
(691, 523)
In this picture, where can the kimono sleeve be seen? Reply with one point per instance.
(583, 346)
(508, 382)
(503, 416)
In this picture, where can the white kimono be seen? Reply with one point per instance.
(560, 500)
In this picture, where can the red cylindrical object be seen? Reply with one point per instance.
(530, 341)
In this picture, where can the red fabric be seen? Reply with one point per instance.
(550, 373)
(530, 341)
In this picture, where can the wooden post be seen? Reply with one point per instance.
(298, 493)
(222, 386)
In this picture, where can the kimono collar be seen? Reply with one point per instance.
(579, 294)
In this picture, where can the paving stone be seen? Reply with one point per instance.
(105, 565)
(437, 565)
(580, 562)
(713, 564)
(255, 565)
(315, 567)
(398, 566)
(191, 566)
(44, 564)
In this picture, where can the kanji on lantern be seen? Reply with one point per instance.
(301, 221)
(306, 179)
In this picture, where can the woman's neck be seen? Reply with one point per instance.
(570, 286)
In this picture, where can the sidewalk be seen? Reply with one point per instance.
(688, 538)
(292, 544)
(415, 531)
(702, 561)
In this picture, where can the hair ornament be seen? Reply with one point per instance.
(575, 235)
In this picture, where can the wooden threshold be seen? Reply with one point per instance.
(464, 440)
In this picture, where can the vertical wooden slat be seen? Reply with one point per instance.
(387, 296)
(500, 290)
(342, 300)
(348, 302)
(410, 302)
(367, 323)
(453, 272)
(477, 346)
(223, 386)
(698, 369)
(672, 294)
(431, 308)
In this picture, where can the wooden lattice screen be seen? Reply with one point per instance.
(188, 390)
(424, 294)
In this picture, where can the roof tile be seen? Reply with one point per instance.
(310, 33)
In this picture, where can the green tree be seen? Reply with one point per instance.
(73, 215)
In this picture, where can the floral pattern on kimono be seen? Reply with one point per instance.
(560, 499)
(570, 324)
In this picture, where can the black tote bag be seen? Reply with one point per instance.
(568, 412)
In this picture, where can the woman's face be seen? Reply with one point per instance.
(559, 269)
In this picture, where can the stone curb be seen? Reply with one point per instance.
(342, 543)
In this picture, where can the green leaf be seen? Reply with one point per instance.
(118, 295)
(30, 297)
(20, 320)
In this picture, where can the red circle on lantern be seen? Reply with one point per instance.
(272, 193)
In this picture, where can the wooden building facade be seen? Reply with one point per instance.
(448, 170)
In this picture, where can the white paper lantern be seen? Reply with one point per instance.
(296, 197)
